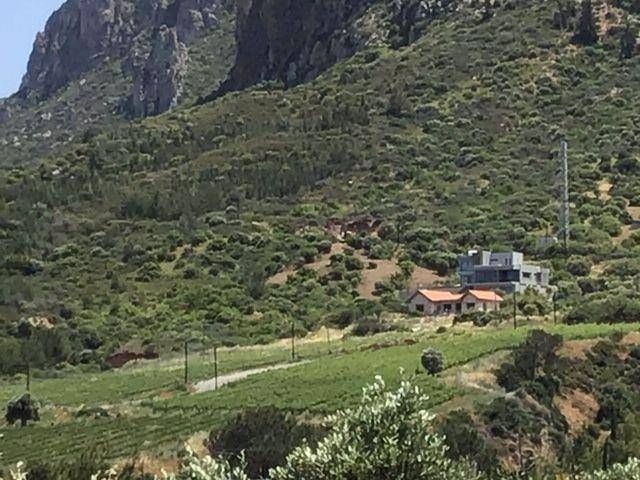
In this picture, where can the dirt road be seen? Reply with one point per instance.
(210, 385)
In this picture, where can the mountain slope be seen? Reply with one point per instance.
(169, 227)
(100, 61)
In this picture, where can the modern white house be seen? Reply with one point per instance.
(434, 302)
(504, 271)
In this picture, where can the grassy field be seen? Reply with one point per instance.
(148, 379)
(321, 386)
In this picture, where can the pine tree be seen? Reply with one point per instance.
(587, 27)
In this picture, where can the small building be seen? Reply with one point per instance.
(434, 302)
(505, 271)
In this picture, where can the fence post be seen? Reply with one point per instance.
(293, 341)
(186, 362)
(515, 309)
(215, 366)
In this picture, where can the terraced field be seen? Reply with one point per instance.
(321, 386)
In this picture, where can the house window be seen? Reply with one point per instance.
(447, 307)
(526, 275)
(471, 306)
(420, 307)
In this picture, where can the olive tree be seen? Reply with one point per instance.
(389, 435)
(628, 471)
(22, 409)
(432, 361)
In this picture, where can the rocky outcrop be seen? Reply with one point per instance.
(193, 16)
(149, 37)
(76, 37)
(158, 80)
(293, 40)
(411, 17)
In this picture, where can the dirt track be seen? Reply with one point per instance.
(210, 385)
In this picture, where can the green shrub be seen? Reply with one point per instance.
(579, 266)
(23, 409)
(535, 358)
(464, 441)
(363, 443)
(371, 326)
(617, 308)
(608, 223)
(432, 361)
(264, 437)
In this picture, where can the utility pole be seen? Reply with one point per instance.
(186, 362)
(28, 377)
(515, 309)
(215, 366)
(555, 309)
(293, 341)
(564, 204)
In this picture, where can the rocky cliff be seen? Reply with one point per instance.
(75, 38)
(158, 77)
(294, 40)
(150, 37)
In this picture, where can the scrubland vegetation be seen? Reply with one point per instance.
(220, 225)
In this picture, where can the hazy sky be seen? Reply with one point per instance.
(19, 22)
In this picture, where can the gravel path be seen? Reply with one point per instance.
(210, 385)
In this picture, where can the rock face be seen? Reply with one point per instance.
(293, 40)
(158, 81)
(149, 37)
(75, 38)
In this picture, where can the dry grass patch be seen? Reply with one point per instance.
(577, 349)
(578, 407)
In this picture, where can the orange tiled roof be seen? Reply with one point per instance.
(486, 295)
(438, 296)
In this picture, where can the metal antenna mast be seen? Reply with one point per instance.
(564, 204)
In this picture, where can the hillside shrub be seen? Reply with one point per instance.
(608, 223)
(464, 441)
(507, 416)
(81, 467)
(371, 326)
(618, 308)
(478, 318)
(264, 437)
(535, 358)
(579, 266)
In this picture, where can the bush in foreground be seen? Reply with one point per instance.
(265, 436)
(389, 435)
